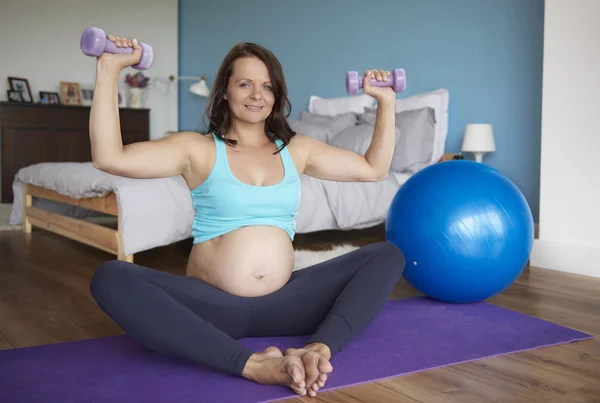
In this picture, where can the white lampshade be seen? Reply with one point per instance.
(200, 88)
(479, 139)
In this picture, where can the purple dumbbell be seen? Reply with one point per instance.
(397, 80)
(94, 42)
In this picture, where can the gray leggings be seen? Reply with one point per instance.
(182, 316)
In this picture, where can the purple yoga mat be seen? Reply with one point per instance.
(408, 336)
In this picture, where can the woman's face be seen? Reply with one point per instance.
(249, 91)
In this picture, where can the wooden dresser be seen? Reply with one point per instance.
(33, 133)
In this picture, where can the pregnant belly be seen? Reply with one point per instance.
(248, 262)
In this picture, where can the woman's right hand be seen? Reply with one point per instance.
(121, 60)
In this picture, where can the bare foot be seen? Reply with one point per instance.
(270, 367)
(315, 358)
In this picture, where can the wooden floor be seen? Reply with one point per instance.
(44, 298)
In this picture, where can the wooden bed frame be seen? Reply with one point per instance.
(95, 235)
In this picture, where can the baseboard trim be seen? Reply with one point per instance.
(566, 258)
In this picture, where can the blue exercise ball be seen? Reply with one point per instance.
(465, 229)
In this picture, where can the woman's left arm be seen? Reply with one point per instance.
(332, 163)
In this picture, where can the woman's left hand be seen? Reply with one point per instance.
(381, 94)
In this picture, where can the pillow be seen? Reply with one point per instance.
(357, 138)
(331, 124)
(438, 100)
(416, 146)
(414, 143)
(309, 129)
(338, 106)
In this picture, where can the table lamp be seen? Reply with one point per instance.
(479, 139)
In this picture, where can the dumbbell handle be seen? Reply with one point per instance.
(111, 47)
(375, 83)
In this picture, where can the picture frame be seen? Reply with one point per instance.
(50, 98)
(21, 84)
(87, 94)
(14, 96)
(70, 93)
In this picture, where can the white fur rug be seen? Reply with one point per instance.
(306, 258)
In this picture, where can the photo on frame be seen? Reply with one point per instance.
(70, 93)
(47, 97)
(14, 96)
(22, 85)
(87, 93)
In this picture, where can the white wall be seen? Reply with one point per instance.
(569, 238)
(39, 40)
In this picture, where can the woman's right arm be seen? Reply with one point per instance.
(165, 157)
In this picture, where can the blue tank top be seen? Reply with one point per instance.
(223, 203)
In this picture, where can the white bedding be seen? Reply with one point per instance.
(157, 212)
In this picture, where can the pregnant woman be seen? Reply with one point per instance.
(244, 179)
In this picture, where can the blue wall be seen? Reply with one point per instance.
(488, 53)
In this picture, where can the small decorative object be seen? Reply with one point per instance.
(137, 84)
(21, 84)
(70, 93)
(49, 98)
(15, 96)
(479, 139)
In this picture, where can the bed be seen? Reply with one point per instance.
(75, 200)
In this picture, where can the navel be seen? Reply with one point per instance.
(259, 275)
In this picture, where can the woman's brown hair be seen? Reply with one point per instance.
(218, 111)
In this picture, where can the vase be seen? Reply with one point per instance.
(136, 98)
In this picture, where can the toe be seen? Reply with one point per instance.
(298, 390)
(311, 369)
(297, 374)
(322, 379)
(324, 365)
(273, 352)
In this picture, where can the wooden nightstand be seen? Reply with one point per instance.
(447, 157)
